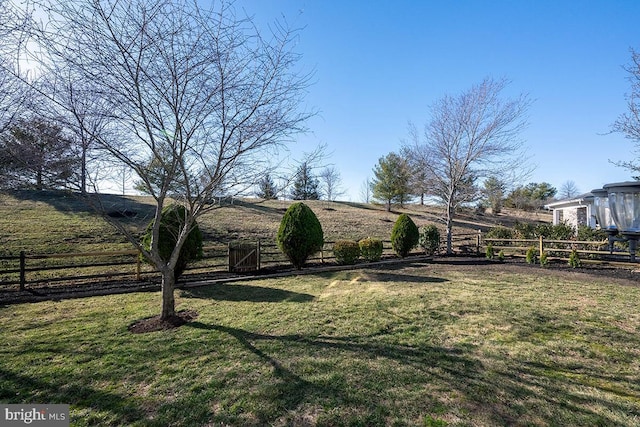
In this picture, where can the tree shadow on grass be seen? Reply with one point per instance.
(293, 390)
(243, 292)
(19, 388)
(496, 390)
(122, 208)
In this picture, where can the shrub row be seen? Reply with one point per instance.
(348, 251)
(554, 232)
(300, 235)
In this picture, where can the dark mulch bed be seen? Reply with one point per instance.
(155, 323)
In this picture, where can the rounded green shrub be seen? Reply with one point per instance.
(489, 252)
(300, 234)
(429, 239)
(404, 235)
(574, 259)
(370, 249)
(532, 255)
(172, 219)
(544, 259)
(501, 256)
(346, 251)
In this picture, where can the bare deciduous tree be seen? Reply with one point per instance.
(629, 122)
(13, 34)
(330, 182)
(365, 190)
(568, 190)
(469, 137)
(200, 93)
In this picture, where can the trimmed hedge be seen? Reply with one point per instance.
(404, 235)
(370, 249)
(300, 234)
(346, 251)
(429, 239)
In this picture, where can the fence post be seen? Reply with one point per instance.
(23, 275)
(138, 262)
(258, 249)
(478, 239)
(541, 245)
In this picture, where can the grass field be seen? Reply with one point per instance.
(54, 222)
(432, 344)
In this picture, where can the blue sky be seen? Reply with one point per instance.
(380, 64)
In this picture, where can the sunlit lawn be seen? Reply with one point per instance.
(423, 344)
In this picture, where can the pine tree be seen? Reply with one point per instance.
(266, 188)
(305, 186)
(391, 180)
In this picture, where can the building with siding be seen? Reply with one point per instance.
(574, 211)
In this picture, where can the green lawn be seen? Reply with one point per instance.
(419, 344)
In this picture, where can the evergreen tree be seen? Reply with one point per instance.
(391, 180)
(267, 188)
(493, 193)
(37, 154)
(305, 185)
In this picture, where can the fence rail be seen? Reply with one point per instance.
(594, 250)
(75, 267)
(36, 269)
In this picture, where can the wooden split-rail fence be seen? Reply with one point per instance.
(18, 271)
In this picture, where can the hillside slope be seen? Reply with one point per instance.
(51, 222)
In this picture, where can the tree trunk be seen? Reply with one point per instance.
(168, 299)
(83, 171)
(449, 229)
(389, 205)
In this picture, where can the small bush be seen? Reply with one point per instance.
(300, 234)
(574, 259)
(501, 256)
(370, 249)
(544, 230)
(500, 233)
(586, 233)
(544, 259)
(524, 230)
(172, 219)
(429, 239)
(489, 252)
(404, 235)
(562, 232)
(346, 251)
(532, 255)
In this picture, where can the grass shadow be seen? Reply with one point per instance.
(71, 392)
(243, 292)
(117, 207)
(293, 390)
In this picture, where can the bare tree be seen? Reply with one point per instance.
(365, 190)
(201, 93)
(629, 122)
(421, 182)
(13, 35)
(469, 137)
(330, 182)
(568, 190)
